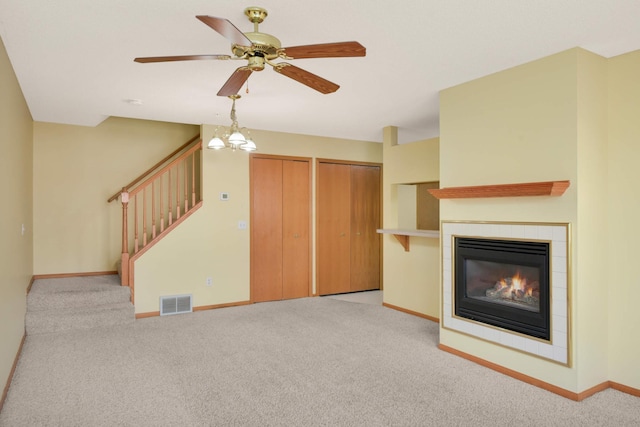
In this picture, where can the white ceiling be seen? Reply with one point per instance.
(74, 58)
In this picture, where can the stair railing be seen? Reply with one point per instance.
(154, 167)
(159, 199)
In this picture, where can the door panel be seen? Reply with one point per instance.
(365, 220)
(333, 228)
(266, 229)
(296, 203)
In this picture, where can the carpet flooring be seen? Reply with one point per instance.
(305, 362)
(366, 297)
(68, 303)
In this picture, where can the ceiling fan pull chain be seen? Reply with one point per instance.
(247, 89)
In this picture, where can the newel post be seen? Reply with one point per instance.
(124, 266)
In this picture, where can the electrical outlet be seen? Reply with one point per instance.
(209, 281)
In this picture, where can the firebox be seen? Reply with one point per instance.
(504, 283)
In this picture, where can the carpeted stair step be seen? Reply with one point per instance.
(53, 296)
(71, 303)
(63, 320)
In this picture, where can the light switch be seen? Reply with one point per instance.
(242, 225)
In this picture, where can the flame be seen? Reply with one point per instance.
(515, 288)
(518, 283)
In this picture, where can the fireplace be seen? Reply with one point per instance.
(503, 283)
(534, 316)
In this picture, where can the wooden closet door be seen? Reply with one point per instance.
(333, 225)
(365, 220)
(296, 203)
(266, 229)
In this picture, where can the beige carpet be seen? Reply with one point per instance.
(69, 303)
(365, 297)
(306, 362)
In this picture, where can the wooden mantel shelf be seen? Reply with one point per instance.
(403, 235)
(548, 188)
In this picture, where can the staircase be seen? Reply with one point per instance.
(153, 204)
(77, 303)
(157, 201)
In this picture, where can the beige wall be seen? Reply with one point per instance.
(621, 197)
(572, 116)
(411, 279)
(518, 125)
(591, 230)
(16, 248)
(209, 243)
(75, 170)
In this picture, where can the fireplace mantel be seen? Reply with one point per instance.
(547, 188)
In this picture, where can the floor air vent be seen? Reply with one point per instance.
(175, 304)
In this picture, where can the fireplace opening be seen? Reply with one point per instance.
(504, 283)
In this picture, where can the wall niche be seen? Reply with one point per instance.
(417, 208)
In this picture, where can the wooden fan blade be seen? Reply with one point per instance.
(326, 50)
(226, 29)
(235, 82)
(307, 78)
(179, 58)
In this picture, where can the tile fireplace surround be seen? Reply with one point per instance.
(556, 234)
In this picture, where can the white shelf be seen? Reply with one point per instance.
(419, 233)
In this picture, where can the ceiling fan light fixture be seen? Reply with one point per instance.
(215, 143)
(234, 138)
(249, 146)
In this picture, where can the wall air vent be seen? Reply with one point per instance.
(175, 304)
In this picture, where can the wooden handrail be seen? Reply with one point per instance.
(164, 169)
(152, 168)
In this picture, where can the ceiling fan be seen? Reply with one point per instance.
(259, 49)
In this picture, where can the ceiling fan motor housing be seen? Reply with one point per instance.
(256, 62)
(264, 43)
